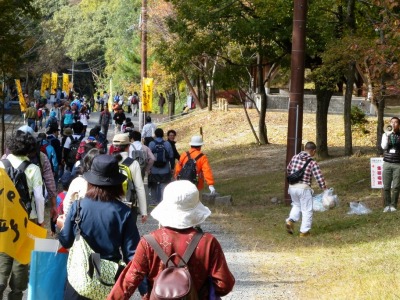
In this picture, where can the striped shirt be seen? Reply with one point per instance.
(298, 161)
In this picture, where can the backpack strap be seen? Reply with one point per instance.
(186, 256)
(198, 156)
(190, 249)
(22, 167)
(156, 247)
(128, 161)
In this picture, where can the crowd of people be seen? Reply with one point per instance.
(83, 172)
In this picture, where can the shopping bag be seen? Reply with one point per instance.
(48, 274)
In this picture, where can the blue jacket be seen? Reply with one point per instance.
(106, 227)
(51, 154)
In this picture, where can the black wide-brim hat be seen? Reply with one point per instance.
(104, 171)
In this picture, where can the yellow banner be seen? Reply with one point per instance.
(17, 233)
(65, 83)
(54, 79)
(147, 94)
(45, 83)
(110, 96)
(22, 102)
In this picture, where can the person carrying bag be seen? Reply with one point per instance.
(98, 229)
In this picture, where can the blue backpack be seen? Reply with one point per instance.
(160, 154)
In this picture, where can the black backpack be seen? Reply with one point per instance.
(189, 171)
(175, 281)
(73, 149)
(160, 154)
(298, 175)
(18, 177)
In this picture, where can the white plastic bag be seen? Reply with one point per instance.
(317, 203)
(329, 200)
(358, 208)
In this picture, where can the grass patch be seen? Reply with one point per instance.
(347, 256)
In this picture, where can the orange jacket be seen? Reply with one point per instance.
(202, 165)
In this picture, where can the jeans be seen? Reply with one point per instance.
(391, 177)
(18, 280)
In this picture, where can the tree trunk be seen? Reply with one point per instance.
(249, 120)
(192, 91)
(323, 100)
(203, 86)
(348, 138)
(262, 128)
(380, 125)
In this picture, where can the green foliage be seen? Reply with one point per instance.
(358, 118)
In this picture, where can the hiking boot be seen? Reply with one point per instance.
(386, 209)
(305, 234)
(289, 226)
(392, 208)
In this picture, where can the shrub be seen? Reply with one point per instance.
(358, 117)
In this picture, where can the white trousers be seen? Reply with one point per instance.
(302, 206)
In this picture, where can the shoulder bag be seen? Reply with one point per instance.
(90, 276)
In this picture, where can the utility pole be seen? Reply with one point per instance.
(143, 73)
(295, 120)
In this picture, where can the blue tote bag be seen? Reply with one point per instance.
(48, 274)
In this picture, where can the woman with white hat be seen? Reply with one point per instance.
(106, 224)
(179, 214)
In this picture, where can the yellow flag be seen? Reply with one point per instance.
(147, 95)
(22, 102)
(54, 79)
(65, 82)
(17, 233)
(45, 83)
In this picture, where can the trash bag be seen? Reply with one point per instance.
(358, 208)
(325, 200)
(329, 200)
(317, 203)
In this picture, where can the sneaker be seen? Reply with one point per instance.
(386, 209)
(289, 226)
(392, 208)
(305, 234)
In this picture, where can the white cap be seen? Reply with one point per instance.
(26, 129)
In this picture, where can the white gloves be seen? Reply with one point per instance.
(212, 190)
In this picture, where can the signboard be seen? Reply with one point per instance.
(377, 172)
(147, 95)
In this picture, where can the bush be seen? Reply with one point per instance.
(358, 117)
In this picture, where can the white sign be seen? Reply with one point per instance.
(377, 172)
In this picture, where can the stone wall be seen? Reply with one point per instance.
(336, 106)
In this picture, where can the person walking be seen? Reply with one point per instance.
(203, 168)
(12, 272)
(301, 192)
(171, 134)
(141, 152)
(391, 165)
(148, 131)
(105, 120)
(121, 144)
(161, 102)
(119, 118)
(32, 116)
(180, 214)
(106, 223)
(160, 174)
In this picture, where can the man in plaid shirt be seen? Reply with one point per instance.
(301, 192)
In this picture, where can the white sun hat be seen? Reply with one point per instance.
(196, 141)
(180, 207)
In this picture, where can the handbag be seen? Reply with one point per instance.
(89, 275)
(47, 275)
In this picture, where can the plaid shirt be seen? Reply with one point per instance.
(298, 161)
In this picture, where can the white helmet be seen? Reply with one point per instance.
(196, 141)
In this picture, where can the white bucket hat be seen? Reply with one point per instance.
(180, 207)
(196, 141)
